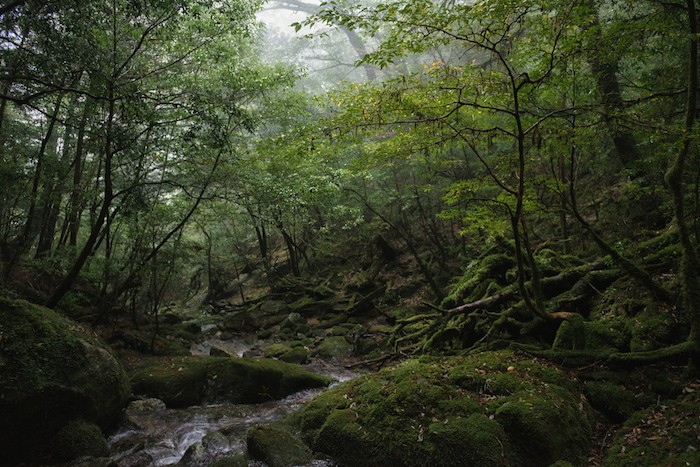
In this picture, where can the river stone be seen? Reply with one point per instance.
(276, 446)
(334, 347)
(79, 438)
(52, 371)
(146, 405)
(193, 380)
(274, 307)
(203, 453)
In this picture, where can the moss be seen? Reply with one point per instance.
(184, 381)
(51, 371)
(334, 347)
(477, 279)
(607, 333)
(545, 426)
(276, 446)
(665, 434)
(343, 438)
(651, 329)
(178, 382)
(571, 334)
(477, 438)
(295, 355)
(449, 411)
(275, 350)
(612, 399)
(79, 438)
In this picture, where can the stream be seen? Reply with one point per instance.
(154, 435)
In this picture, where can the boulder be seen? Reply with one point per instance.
(276, 446)
(490, 409)
(186, 381)
(334, 347)
(52, 372)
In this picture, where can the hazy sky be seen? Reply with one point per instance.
(280, 19)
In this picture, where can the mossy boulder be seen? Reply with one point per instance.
(652, 329)
(490, 409)
(666, 434)
(52, 371)
(612, 399)
(334, 347)
(79, 438)
(276, 446)
(185, 381)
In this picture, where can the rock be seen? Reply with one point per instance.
(277, 446)
(238, 321)
(296, 355)
(79, 438)
(274, 307)
(230, 461)
(52, 371)
(192, 328)
(217, 352)
(614, 400)
(468, 411)
(186, 381)
(275, 350)
(170, 318)
(292, 320)
(146, 405)
(203, 453)
(333, 347)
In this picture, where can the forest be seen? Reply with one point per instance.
(349, 233)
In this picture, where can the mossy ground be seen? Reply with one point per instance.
(667, 434)
(491, 409)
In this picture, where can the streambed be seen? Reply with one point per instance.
(154, 435)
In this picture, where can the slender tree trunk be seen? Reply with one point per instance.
(29, 231)
(77, 191)
(291, 251)
(108, 196)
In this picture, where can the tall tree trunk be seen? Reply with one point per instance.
(674, 177)
(605, 73)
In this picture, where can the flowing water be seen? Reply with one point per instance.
(158, 436)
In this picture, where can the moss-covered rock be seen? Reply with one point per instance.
(612, 399)
(230, 461)
(666, 434)
(79, 438)
(334, 347)
(52, 371)
(276, 446)
(652, 329)
(296, 355)
(274, 350)
(490, 409)
(185, 381)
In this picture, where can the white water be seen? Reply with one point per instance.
(158, 436)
